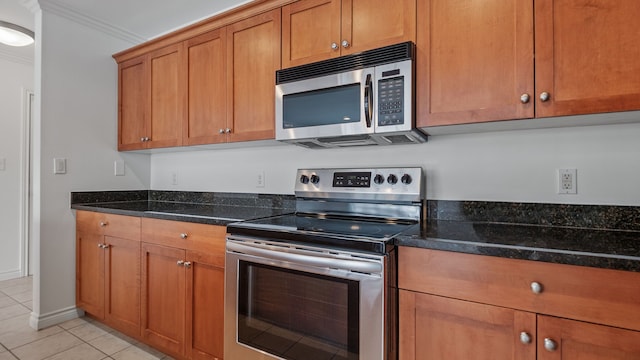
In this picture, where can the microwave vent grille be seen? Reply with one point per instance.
(369, 58)
(399, 139)
(309, 145)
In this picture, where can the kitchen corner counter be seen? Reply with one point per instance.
(205, 208)
(610, 249)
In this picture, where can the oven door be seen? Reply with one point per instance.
(302, 302)
(328, 106)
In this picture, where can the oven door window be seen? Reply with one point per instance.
(297, 315)
(334, 106)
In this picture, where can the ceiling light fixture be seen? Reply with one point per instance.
(15, 35)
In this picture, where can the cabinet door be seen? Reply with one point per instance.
(122, 285)
(433, 327)
(474, 61)
(163, 298)
(132, 103)
(167, 91)
(370, 24)
(207, 92)
(585, 341)
(205, 307)
(90, 273)
(253, 58)
(587, 55)
(309, 28)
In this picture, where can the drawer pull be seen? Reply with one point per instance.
(536, 287)
(103, 223)
(187, 264)
(180, 263)
(184, 235)
(550, 345)
(525, 338)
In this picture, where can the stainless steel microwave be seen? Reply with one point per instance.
(360, 99)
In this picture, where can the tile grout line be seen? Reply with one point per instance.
(84, 341)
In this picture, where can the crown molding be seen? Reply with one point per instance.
(9, 56)
(57, 8)
(31, 5)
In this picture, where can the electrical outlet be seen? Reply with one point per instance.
(260, 179)
(174, 178)
(567, 181)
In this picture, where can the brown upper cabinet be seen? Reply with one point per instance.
(151, 100)
(314, 30)
(253, 56)
(230, 94)
(476, 63)
(207, 90)
(212, 88)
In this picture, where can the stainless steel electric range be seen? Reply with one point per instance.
(321, 283)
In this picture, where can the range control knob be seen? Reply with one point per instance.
(315, 179)
(378, 179)
(304, 179)
(392, 179)
(406, 179)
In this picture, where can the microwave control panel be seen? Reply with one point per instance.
(391, 100)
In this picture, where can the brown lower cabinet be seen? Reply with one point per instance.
(108, 269)
(183, 288)
(159, 281)
(460, 306)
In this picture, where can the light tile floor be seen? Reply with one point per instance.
(78, 339)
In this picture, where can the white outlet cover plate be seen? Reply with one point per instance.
(59, 166)
(118, 168)
(567, 181)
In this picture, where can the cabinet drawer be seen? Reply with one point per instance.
(120, 226)
(590, 294)
(184, 235)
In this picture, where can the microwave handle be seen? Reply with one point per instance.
(368, 100)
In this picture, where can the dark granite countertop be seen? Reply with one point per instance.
(204, 208)
(205, 214)
(611, 249)
(595, 236)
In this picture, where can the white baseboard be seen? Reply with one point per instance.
(42, 321)
(11, 274)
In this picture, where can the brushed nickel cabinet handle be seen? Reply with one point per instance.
(536, 287)
(545, 96)
(550, 344)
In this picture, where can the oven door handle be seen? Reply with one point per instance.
(317, 261)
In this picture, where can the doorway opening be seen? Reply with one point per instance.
(26, 250)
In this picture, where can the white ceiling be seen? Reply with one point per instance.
(143, 19)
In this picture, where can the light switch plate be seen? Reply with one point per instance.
(118, 168)
(59, 166)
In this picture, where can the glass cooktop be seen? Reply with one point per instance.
(346, 232)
